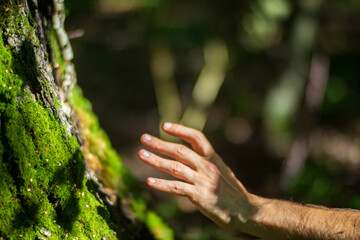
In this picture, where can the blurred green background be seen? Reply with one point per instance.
(274, 85)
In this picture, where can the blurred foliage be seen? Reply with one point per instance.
(317, 184)
(256, 114)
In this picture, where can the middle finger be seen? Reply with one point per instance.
(173, 150)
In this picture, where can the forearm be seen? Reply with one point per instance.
(213, 187)
(275, 219)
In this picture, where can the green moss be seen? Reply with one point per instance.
(43, 191)
(42, 184)
(157, 226)
(17, 24)
(56, 51)
(114, 173)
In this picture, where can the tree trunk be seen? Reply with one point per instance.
(59, 176)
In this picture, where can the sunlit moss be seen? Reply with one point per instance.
(43, 189)
(42, 172)
(42, 184)
(113, 173)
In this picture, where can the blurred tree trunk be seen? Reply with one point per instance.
(60, 177)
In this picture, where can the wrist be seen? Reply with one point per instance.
(246, 219)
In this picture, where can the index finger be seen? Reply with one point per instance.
(196, 138)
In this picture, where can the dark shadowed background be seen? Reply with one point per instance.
(274, 85)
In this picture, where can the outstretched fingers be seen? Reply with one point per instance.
(196, 138)
(177, 187)
(173, 150)
(174, 168)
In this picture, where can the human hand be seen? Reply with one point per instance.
(207, 181)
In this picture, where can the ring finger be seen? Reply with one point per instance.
(174, 168)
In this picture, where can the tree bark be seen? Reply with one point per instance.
(59, 176)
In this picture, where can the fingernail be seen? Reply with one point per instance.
(145, 154)
(147, 137)
(151, 181)
(167, 125)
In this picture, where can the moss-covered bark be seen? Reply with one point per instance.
(59, 176)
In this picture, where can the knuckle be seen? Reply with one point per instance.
(156, 144)
(191, 196)
(176, 168)
(176, 187)
(181, 150)
(204, 191)
(213, 169)
(209, 153)
(154, 160)
(200, 139)
(198, 136)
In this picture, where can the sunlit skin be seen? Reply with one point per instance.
(207, 181)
